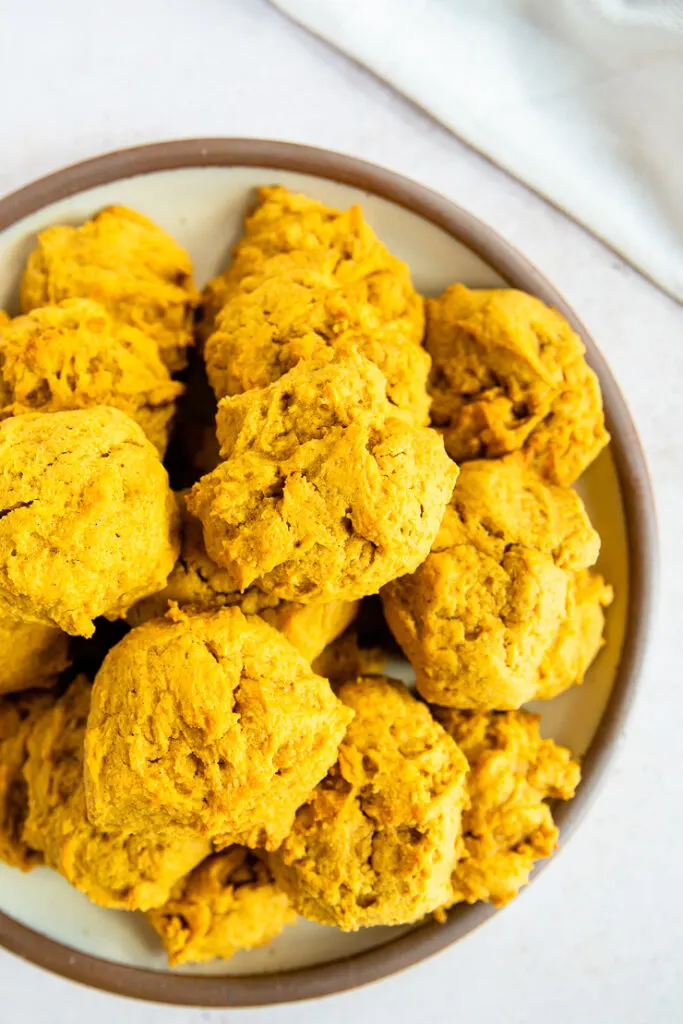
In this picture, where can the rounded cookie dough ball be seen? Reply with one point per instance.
(30, 654)
(508, 824)
(483, 618)
(209, 721)
(288, 233)
(88, 524)
(228, 903)
(17, 716)
(125, 872)
(323, 494)
(376, 842)
(126, 262)
(198, 582)
(509, 374)
(263, 332)
(70, 356)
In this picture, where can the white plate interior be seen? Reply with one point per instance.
(203, 208)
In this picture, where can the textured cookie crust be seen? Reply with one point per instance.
(127, 263)
(323, 494)
(209, 721)
(88, 524)
(376, 843)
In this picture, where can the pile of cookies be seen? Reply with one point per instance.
(226, 755)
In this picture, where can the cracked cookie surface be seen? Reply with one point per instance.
(88, 524)
(502, 610)
(509, 374)
(127, 263)
(322, 495)
(124, 872)
(508, 824)
(306, 277)
(70, 356)
(376, 842)
(212, 722)
(228, 903)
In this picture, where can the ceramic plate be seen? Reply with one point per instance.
(199, 191)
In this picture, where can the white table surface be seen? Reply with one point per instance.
(599, 937)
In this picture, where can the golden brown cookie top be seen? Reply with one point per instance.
(125, 261)
(304, 278)
(265, 331)
(229, 902)
(391, 733)
(294, 234)
(508, 823)
(500, 502)
(127, 872)
(376, 843)
(323, 494)
(209, 721)
(287, 222)
(481, 619)
(70, 356)
(88, 525)
(509, 374)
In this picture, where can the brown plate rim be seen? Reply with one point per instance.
(405, 950)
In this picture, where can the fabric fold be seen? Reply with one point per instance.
(580, 99)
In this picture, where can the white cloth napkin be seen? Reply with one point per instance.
(581, 99)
